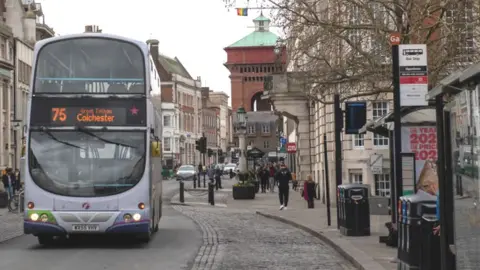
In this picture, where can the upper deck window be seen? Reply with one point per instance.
(91, 66)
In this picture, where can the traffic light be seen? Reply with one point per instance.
(201, 145)
(198, 144)
(204, 145)
(220, 152)
(210, 152)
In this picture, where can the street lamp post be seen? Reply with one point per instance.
(241, 131)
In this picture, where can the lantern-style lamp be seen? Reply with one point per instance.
(241, 116)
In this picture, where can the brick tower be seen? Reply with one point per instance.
(249, 60)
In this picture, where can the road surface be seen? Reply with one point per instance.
(175, 246)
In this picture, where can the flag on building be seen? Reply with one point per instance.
(242, 11)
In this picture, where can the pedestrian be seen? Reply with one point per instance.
(294, 182)
(309, 191)
(283, 178)
(218, 178)
(271, 178)
(9, 182)
(200, 170)
(264, 175)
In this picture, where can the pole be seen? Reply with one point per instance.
(397, 125)
(327, 181)
(449, 199)
(393, 202)
(445, 187)
(211, 196)
(182, 190)
(243, 158)
(338, 148)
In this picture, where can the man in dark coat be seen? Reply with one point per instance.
(283, 178)
(9, 182)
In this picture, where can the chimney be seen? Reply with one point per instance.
(153, 43)
(92, 29)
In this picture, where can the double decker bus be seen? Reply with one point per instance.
(93, 142)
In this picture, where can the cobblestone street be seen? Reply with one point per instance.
(240, 239)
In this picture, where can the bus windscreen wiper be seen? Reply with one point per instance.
(46, 131)
(88, 132)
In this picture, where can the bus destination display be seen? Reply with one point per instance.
(88, 113)
(88, 116)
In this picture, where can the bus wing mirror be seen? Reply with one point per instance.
(156, 149)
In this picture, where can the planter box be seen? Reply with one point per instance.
(243, 193)
(3, 199)
(257, 186)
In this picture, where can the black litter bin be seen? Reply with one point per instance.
(430, 246)
(356, 210)
(410, 232)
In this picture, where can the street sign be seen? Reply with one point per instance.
(413, 74)
(355, 116)
(283, 140)
(376, 164)
(394, 39)
(291, 147)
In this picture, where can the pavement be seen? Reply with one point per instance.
(363, 252)
(11, 224)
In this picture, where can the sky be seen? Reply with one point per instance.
(194, 31)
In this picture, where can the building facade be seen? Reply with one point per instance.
(249, 60)
(181, 108)
(21, 25)
(220, 100)
(210, 125)
(261, 131)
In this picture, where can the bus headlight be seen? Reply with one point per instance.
(34, 217)
(137, 217)
(43, 217)
(127, 217)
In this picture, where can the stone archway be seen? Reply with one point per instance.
(258, 104)
(289, 100)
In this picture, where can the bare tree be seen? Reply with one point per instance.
(342, 46)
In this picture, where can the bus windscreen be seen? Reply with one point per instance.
(90, 65)
(87, 112)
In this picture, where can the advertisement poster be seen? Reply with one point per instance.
(422, 141)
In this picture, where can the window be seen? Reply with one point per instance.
(167, 121)
(266, 144)
(379, 109)
(358, 140)
(382, 184)
(167, 144)
(251, 129)
(266, 128)
(356, 178)
(4, 88)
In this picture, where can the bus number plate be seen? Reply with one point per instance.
(85, 227)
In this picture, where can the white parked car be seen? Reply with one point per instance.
(186, 172)
(228, 167)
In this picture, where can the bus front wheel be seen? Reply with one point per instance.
(45, 240)
(145, 237)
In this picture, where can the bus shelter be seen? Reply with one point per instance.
(458, 125)
(419, 154)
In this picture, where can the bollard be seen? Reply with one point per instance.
(182, 190)
(194, 183)
(211, 198)
(204, 181)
